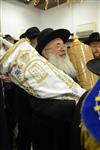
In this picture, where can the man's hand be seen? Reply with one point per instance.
(5, 78)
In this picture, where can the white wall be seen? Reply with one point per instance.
(99, 20)
(69, 17)
(16, 16)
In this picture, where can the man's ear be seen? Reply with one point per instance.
(45, 54)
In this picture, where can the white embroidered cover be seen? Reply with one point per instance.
(35, 74)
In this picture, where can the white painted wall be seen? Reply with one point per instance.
(16, 17)
(99, 20)
(69, 17)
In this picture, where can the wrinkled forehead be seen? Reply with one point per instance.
(95, 43)
(54, 42)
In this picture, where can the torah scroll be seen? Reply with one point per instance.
(35, 74)
(80, 54)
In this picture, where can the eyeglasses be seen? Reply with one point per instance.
(59, 46)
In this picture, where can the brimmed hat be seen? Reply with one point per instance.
(95, 36)
(31, 33)
(49, 34)
(8, 37)
(94, 66)
(22, 36)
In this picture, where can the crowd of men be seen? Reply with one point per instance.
(24, 120)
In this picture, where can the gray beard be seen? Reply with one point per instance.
(64, 64)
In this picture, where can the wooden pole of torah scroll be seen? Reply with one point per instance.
(80, 54)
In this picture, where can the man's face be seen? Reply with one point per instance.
(95, 48)
(55, 47)
(56, 52)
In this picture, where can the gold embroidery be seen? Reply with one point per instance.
(23, 58)
(37, 72)
(22, 81)
(10, 50)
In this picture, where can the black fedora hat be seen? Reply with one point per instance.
(49, 34)
(95, 36)
(31, 33)
(94, 66)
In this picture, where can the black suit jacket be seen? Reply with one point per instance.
(4, 138)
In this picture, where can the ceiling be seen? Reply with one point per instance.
(52, 3)
(41, 5)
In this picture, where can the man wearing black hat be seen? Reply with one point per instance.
(94, 41)
(31, 34)
(51, 44)
(53, 120)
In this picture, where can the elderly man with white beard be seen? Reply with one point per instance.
(58, 135)
(56, 52)
(63, 63)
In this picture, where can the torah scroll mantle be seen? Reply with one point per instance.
(79, 55)
(35, 74)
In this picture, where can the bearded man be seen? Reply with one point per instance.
(59, 134)
(58, 56)
(94, 42)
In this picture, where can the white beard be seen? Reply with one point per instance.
(64, 64)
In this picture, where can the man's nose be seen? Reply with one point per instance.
(63, 50)
(97, 49)
(63, 47)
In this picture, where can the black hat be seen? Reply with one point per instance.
(22, 36)
(8, 37)
(31, 33)
(95, 36)
(49, 34)
(94, 66)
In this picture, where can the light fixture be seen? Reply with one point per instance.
(25, 1)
